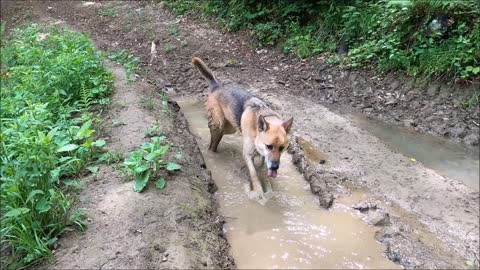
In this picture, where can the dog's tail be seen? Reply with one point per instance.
(206, 72)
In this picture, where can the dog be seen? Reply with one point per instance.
(231, 108)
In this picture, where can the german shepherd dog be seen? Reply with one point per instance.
(231, 108)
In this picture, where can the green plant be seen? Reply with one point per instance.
(267, 33)
(107, 12)
(110, 157)
(169, 48)
(50, 76)
(144, 164)
(165, 103)
(424, 38)
(174, 29)
(151, 131)
(148, 103)
(126, 59)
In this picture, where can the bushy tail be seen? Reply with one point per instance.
(206, 72)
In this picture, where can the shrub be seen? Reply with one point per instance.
(427, 38)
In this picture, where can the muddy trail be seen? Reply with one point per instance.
(353, 196)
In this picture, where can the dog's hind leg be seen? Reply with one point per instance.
(215, 138)
(216, 121)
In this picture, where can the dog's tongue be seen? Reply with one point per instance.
(272, 173)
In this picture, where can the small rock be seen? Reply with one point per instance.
(365, 206)
(326, 200)
(379, 218)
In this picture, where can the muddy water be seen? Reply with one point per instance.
(458, 162)
(290, 230)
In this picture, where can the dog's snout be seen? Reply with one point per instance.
(274, 165)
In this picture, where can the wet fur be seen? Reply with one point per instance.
(230, 108)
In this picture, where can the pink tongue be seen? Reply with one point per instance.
(272, 173)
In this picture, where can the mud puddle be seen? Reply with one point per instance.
(290, 230)
(452, 160)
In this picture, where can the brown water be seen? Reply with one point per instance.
(289, 230)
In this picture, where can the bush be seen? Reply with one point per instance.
(50, 77)
(427, 38)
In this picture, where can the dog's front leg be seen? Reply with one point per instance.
(248, 154)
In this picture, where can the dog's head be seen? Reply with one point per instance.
(272, 140)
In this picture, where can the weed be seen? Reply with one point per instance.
(107, 12)
(148, 103)
(174, 29)
(165, 103)
(45, 82)
(144, 164)
(472, 102)
(110, 157)
(126, 59)
(169, 48)
(151, 131)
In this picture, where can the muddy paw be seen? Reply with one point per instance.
(256, 195)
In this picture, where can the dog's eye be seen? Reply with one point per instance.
(269, 146)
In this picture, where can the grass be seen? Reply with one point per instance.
(50, 77)
(148, 103)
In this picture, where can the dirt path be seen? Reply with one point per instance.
(175, 227)
(435, 220)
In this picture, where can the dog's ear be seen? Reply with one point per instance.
(262, 124)
(288, 124)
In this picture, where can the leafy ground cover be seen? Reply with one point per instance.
(424, 38)
(51, 77)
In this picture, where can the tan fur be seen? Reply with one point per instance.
(260, 126)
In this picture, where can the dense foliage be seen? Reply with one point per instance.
(427, 38)
(49, 79)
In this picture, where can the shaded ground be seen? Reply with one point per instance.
(434, 219)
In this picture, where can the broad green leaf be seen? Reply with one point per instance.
(67, 148)
(88, 142)
(141, 168)
(469, 68)
(141, 181)
(147, 147)
(476, 70)
(158, 139)
(150, 156)
(162, 150)
(43, 206)
(93, 169)
(135, 157)
(85, 130)
(72, 183)
(17, 212)
(160, 183)
(33, 193)
(99, 143)
(173, 166)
